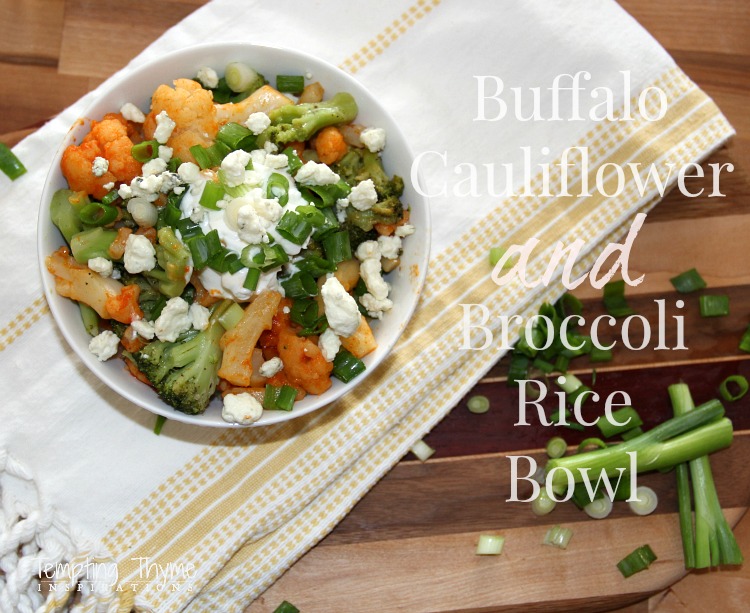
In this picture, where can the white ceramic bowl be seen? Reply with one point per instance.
(137, 88)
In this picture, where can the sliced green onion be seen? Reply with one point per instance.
(290, 84)
(599, 508)
(235, 136)
(145, 151)
(304, 312)
(626, 415)
(110, 197)
(294, 227)
(294, 163)
(614, 299)
(495, 254)
(518, 369)
(312, 214)
(160, 421)
(685, 510)
(279, 398)
(9, 163)
(745, 341)
(638, 560)
(330, 223)
(240, 77)
(203, 248)
(300, 285)
(225, 261)
(569, 383)
(97, 214)
(422, 450)
(278, 187)
(324, 196)
(543, 365)
(557, 536)
(346, 367)
(231, 316)
(490, 545)
(556, 447)
(561, 363)
(174, 164)
(592, 441)
(714, 305)
(286, 607)
(212, 193)
(543, 503)
(90, 319)
(568, 304)
(597, 354)
(337, 246)
(269, 257)
(188, 229)
(569, 421)
(645, 501)
(251, 279)
(739, 381)
(210, 157)
(688, 281)
(478, 404)
(315, 265)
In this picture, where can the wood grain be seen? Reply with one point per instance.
(408, 545)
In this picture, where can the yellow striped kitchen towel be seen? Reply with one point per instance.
(203, 521)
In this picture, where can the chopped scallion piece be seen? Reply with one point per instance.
(294, 228)
(212, 193)
(337, 246)
(598, 354)
(599, 508)
(638, 560)
(556, 447)
(97, 214)
(490, 545)
(145, 151)
(645, 501)
(716, 305)
(557, 536)
(286, 607)
(241, 78)
(745, 341)
(594, 442)
(543, 503)
(160, 421)
(346, 367)
(231, 317)
(235, 136)
(478, 404)
(291, 84)
(627, 416)
(614, 299)
(422, 450)
(9, 163)
(688, 281)
(629, 434)
(278, 187)
(251, 279)
(495, 254)
(734, 380)
(210, 157)
(569, 383)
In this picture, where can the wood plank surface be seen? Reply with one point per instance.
(408, 545)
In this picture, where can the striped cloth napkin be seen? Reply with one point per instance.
(204, 521)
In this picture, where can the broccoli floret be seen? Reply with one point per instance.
(185, 373)
(359, 165)
(298, 122)
(357, 235)
(174, 262)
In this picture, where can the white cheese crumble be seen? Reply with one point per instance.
(144, 329)
(233, 167)
(367, 250)
(312, 173)
(363, 195)
(374, 307)
(370, 273)
(208, 77)
(101, 265)
(329, 344)
(390, 246)
(271, 367)
(241, 409)
(250, 227)
(153, 167)
(99, 166)
(406, 230)
(104, 345)
(165, 153)
(257, 123)
(109, 186)
(173, 320)
(341, 309)
(140, 254)
(276, 161)
(190, 172)
(164, 127)
(199, 316)
(269, 147)
(132, 113)
(373, 139)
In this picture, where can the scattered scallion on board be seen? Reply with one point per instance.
(556, 447)
(422, 450)
(160, 421)
(737, 381)
(9, 163)
(286, 607)
(478, 404)
(490, 545)
(688, 281)
(636, 561)
(645, 501)
(557, 536)
(614, 299)
(714, 305)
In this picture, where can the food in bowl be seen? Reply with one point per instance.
(231, 238)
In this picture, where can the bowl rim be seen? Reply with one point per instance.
(44, 225)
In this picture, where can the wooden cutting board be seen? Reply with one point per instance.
(409, 544)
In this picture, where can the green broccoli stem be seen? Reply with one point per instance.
(714, 541)
(92, 243)
(670, 443)
(299, 122)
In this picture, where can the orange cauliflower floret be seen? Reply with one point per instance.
(111, 139)
(192, 109)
